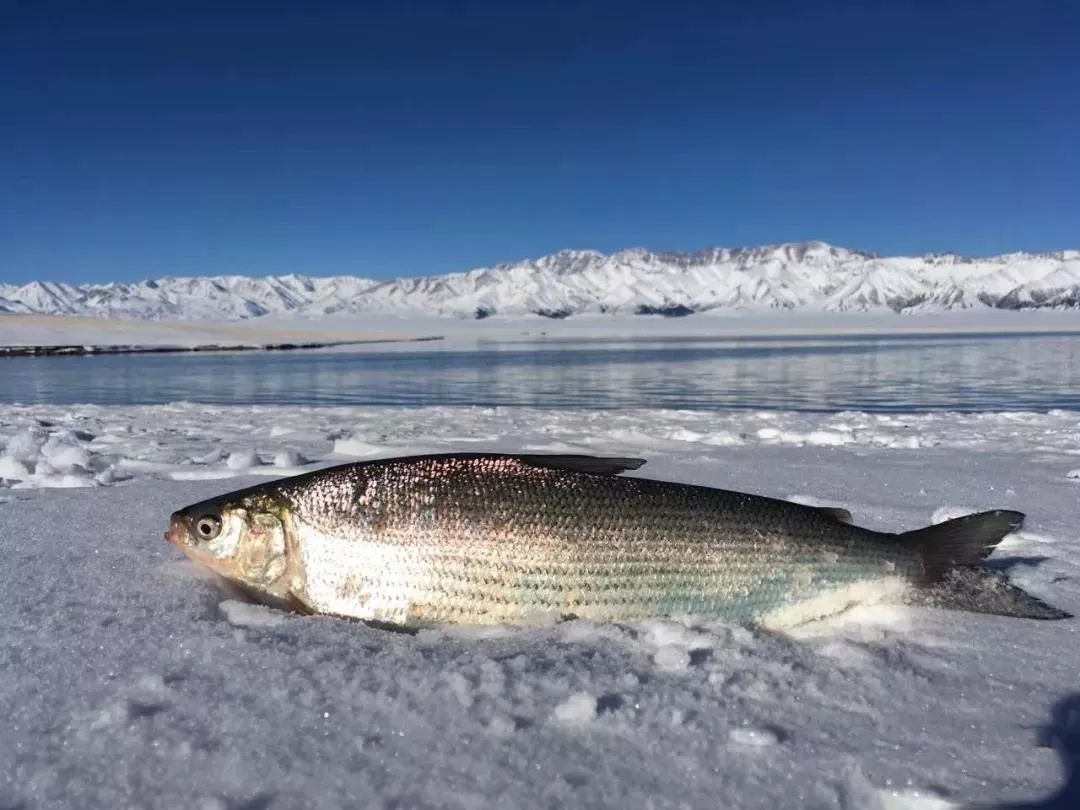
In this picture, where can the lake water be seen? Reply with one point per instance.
(1035, 372)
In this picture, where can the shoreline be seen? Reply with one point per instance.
(105, 349)
(35, 335)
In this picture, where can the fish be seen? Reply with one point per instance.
(529, 539)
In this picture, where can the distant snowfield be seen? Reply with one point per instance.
(60, 330)
(130, 678)
(54, 330)
(806, 276)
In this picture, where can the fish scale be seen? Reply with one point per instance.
(503, 540)
(486, 538)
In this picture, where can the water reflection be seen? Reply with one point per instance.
(894, 374)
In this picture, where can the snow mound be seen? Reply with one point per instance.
(41, 458)
(90, 445)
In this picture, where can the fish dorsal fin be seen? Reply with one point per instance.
(836, 513)
(590, 465)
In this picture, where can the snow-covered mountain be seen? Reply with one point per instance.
(808, 276)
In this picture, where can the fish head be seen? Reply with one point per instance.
(243, 540)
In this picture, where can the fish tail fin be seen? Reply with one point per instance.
(963, 542)
(952, 553)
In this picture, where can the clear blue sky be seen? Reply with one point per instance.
(140, 139)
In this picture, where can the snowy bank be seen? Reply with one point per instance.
(52, 330)
(133, 679)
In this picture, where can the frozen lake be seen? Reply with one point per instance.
(876, 374)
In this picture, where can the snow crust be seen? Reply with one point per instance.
(132, 678)
(806, 276)
(45, 446)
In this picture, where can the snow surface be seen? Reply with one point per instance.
(131, 678)
(813, 276)
(54, 330)
(394, 332)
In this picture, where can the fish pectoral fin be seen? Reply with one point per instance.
(835, 512)
(590, 465)
(296, 605)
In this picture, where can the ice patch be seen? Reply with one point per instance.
(577, 711)
(12, 468)
(213, 457)
(56, 481)
(65, 456)
(289, 458)
(722, 438)
(754, 737)
(944, 513)
(818, 438)
(200, 475)
(673, 642)
(245, 614)
(351, 446)
(25, 446)
(36, 458)
(242, 460)
(914, 800)
(827, 438)
(684, 435)
(811, 500)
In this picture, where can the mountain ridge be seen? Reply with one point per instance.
(811, 276)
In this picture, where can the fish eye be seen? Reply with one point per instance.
(208, 527)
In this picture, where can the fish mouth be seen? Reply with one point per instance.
(177, 534)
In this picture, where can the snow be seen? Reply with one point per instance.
(413, 331)
(72, 331)
(808, 276)
(133, 678)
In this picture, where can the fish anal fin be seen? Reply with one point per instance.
(590, 465)
(836, 513)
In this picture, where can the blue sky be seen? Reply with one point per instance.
(383, 139)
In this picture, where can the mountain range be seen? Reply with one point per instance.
(811, 276)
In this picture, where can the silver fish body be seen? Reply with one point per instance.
(487, 539)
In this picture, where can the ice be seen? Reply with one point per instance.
(244, 614)
(577, 711)
(916, 801)
(289, 458)
(351, 446)
(754, 737)
(201, 475)
(131, 677)
(26, 445)
(943, 513)
(41, 458)
(821, 438)
(13, 469)
(813, 500)
(240, 460)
